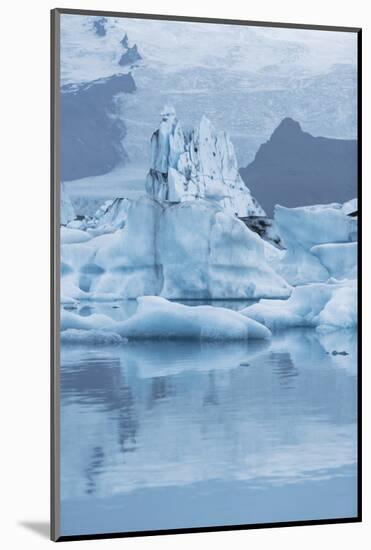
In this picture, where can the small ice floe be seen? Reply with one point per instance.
(158, 319)
(320, 242)
(326, 307)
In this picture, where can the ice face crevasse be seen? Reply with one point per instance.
(200, 163)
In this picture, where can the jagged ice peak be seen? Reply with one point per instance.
(198, 164)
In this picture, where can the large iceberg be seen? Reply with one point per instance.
(340, 259)
(198, 163)
(157, 318)
(320, 242)
(188, 250)
(326, 307)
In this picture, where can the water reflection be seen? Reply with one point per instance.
(161, 435)
(93, 469)
(159, 415)
(284, 368)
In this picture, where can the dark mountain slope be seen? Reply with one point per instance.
(293, 168)
(91, 131)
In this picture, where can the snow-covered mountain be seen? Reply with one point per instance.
(197, 163)
(263, 74)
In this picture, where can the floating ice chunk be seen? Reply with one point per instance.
(70, 292)
(340, 310)
(96, 321)
(327, 307)
(339, 259)
(303, 228)
(317, 224)
(157, 318)
(350, 207)
(69, 235)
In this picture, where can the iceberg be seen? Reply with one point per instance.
(326, 307)
(187, 250)
(109, 217)
(350, 207)
(339, 259)
(198, 163)
(70, 235)
(158, 319)
(320, 243)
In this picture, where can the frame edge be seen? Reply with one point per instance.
(195, 19)
(54, 283)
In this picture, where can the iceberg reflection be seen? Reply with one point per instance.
(160, 414)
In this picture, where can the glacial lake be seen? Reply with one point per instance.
(162, 435)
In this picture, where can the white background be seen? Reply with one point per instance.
(24, 253)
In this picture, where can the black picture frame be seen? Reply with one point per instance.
(55, 275)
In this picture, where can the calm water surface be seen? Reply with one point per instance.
(161, 435)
